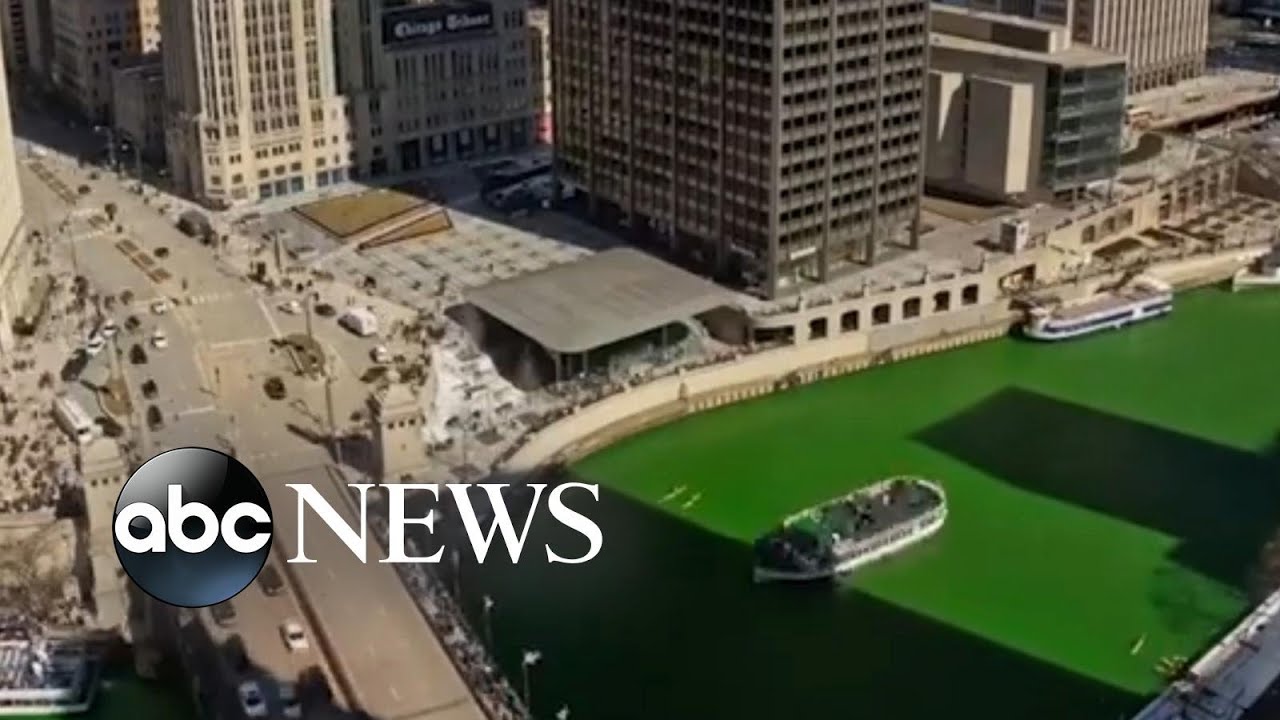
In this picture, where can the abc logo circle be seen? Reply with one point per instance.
(192, 527)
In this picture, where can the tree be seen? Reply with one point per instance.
(111, 211)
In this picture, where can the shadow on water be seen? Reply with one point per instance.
(1221, 502)
(666, 622)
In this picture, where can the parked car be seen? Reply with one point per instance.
(224, 613)
(108, 329)
(137, 355)
(160, 307)
(161, 252)
(295, 638)
(110, 428)
(326, 310)
(291, 706)
(269, 578)
(74, 366)
(275, 389)
(159, 340)
(293, 307)
(150, 390)
(155, 420)
(95, 345)
(251, 700)
(380, 354)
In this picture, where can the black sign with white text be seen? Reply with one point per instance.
(431, 22)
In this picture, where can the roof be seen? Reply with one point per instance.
(598, 300)
(1076, 56)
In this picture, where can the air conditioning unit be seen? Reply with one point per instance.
(1013, 235)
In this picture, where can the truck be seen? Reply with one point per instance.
(360, 321)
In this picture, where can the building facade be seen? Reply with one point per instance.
(540, 42)
(138, 100)
(430, 83)
(13, 35)
(92, 38)
(1018, 109)
(1165, 41)
(769, 144)
(16, 252)
(251, 104)
(37, 21)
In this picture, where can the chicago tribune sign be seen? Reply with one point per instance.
(435, 21)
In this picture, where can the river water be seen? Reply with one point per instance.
(1109, 499)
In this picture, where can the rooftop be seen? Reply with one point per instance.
(1205, 96)
(598, 300)
(1010, 36)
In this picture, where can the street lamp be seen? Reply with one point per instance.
(531, 658)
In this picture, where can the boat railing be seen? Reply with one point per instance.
(869, 491)
(860, 546)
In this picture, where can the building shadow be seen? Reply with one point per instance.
(1221, 503)
(666, 622)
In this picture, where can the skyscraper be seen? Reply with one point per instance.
(252, 109)
(767, 143)
(91, 38)
(1165, 41)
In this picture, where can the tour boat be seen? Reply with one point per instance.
(846, 533)
(1143, 299)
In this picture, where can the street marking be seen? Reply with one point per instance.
(198, 410)
(275, 329)
(238, 343)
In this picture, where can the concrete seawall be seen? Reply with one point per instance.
(596, 425)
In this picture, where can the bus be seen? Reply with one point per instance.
(73, 419)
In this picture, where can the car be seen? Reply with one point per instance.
(160, 307)
(110, 428)
(108, 329)
(159, 340)
(274, 388)
(293, 307)
(326, 310)
(251, 700)
(380, 354)
(161, 252)
(155, 420)
(149, 389)
(137, 355)
(224, 613)
(295, 638)
(269, 578)
(95, 345)
(74, 366)
(291, 706)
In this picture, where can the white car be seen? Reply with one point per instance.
(159, 340)
(292, 706)
(160, 307)
(95, 345)
(293, 307)
(108, 329)
(294, 637)
(251, 700)
(380, 354)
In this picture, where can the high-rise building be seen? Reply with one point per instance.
(766, 143)
(13, 35)
(252, 109)
(92, 38)
(15, 250)
(435, 82)
(1165, 41)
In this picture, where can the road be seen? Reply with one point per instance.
(396, 664)
(210, 377)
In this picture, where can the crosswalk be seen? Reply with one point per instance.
(214, 297)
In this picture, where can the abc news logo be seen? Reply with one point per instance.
(193, 527)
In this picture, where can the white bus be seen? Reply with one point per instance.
(73, 419)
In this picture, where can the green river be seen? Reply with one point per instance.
(1109, 499)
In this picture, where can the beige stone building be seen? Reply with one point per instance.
(16, 252)
(92, 38)
(138, 99)
(430, 83)
(252, 109)
(1017, 109)
(540, 43)
(1165, 41)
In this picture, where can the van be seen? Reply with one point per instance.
(360, 321)
(73, 419)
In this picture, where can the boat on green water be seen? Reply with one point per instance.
(848, 532)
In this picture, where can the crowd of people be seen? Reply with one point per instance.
(490, 687)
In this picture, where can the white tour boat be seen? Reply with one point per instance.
(1143, 299)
